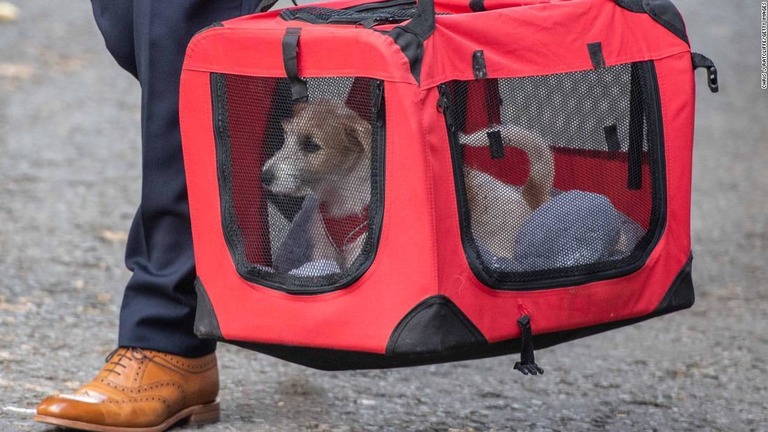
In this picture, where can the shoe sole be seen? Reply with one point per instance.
(197, 415)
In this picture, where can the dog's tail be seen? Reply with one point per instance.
(538, 187)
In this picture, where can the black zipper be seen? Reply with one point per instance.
(362, 14)
(377, 97)
(444, 106)
(380, 5)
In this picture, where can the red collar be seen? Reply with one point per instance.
(345, 230)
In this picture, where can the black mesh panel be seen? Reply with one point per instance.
(558, 176)
(301, 183)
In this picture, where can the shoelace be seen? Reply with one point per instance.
(120, 354)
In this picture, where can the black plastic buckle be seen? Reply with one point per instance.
(702, 61)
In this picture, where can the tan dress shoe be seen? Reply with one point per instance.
(139, 391)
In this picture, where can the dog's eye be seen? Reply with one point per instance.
(308, 145)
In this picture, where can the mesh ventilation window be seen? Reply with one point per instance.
(301, 183)
(559, 176)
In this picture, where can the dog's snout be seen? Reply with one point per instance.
(267, 177)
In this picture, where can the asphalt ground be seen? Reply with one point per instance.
(69, 184)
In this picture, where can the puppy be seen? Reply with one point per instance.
(327, 152)
(497, 209)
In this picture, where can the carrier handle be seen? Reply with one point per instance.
(423, 23)
(299, 92)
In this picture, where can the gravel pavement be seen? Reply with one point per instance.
(69, 184)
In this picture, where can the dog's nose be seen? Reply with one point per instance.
(267, 177)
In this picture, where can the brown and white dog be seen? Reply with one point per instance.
(327, 152)
(497, 209)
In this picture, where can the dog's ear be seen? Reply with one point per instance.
(357, 134)
(299, 107)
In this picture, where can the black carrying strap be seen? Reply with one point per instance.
(612, 137)
(423, 24)
(299, 91)
(410, 37)
(265, 5)
(478, 65)
(496, 144)
(702, 61)
(596, 54)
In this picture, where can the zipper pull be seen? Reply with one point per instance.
(372, 22)
(444, 106)
(527, 364)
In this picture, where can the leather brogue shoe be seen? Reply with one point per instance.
(139, 390)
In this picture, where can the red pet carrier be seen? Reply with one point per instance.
(390, 184)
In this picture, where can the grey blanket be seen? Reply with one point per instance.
(573, 228)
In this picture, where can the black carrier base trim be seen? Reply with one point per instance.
(206, 323)
(434, 325)
(679, 296)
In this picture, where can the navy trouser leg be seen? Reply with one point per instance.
(148, 39)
